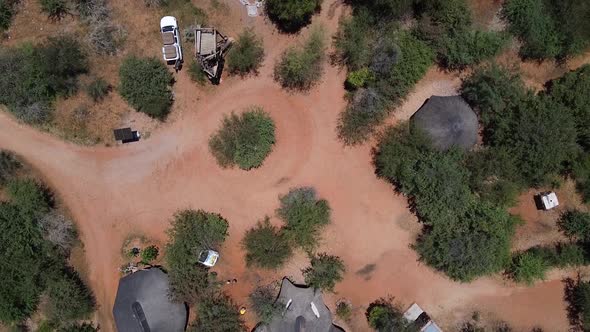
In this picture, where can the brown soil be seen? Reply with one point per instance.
(116, 191)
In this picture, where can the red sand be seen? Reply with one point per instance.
(137, 187)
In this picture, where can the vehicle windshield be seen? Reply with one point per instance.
(168, 28)
(203, 256)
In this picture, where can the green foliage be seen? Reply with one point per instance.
(218, 313)
(28, 196)
(263, 300)
(7, 11)
(196, 73)
(69, 299)
(246, 54)
(354, 40)
(344, 310)
(149, 254)
(398, 61)
(383, 316)
(301, 67)
(83, 327)
(191, 232)
(575, 224)
(549, 29)
(33, 76)
(325, 271)
(55, 9)
(581, 300)
(447, 27)
(145, 84)
(244, 140)
(466, 237)
(529, 268)
(266, 246)
(9, 165)
(359, 78)
(98, 89)
(291, 15)
(304, 215)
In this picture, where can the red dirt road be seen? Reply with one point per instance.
(137, 188)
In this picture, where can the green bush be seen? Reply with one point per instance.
(325, 271)
(28, 196)
(581, 302)
(55, 9)
(266, 246)
(69, 299)
(354, 40)
(263, 300)
(575, 224)
(382, 315)
(7, 11)
(549, 29)
(304, 215)
(218, 313)
(244, 140)
(344, 310)
(191, 232)
(469, 47)
(145, 84)
(9, 165)
(35, 75)
(246, 54)
(572, 254)
(291, 15)
(149, 254)
(79, 327)
(98, 89)
(529, 268)
(359, 78)
(301, 67)
(196, 73)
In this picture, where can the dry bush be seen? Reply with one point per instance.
(59, 230)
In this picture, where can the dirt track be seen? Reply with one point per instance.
(136, 188)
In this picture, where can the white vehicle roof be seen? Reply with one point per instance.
(549, 200)
(413, 312)
(168, 21)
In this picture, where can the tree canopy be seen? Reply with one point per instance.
(266, 246)
(291, 15)
(324, 272)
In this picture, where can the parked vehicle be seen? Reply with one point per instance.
(172, 50)
(208, 257)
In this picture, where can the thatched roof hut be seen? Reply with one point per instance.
(304, 311)
(447, 121)
(143, 304)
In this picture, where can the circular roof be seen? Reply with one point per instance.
(448, 121)
(143, 304)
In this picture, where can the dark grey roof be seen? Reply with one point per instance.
(143, 305)
(123, 134)
(299, 316)
(448, 121)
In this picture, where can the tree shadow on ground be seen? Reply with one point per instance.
(573, 309)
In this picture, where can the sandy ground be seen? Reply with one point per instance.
(136, 188)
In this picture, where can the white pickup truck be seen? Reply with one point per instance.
(171, 50)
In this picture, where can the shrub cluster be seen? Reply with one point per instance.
(532, 264)
(246, 54)
(218, 313)
(98, 89)
(464, 236)
(244, 140)
(304, 216)
(7, 11)
(55, 9)
(383, 315)
(396, 62)
(145, 84)
(291, 15)
(264, 303)
(549, 29)
(33, 76)
(325, 271)
(32, 261)
(9, 165)
(191, 232)
(104, 35)
(196, 73)
(301, 67)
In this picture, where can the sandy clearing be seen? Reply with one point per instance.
(115, 191)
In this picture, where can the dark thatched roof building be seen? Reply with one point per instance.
(143, 305)
(447, 121)
(304, 311)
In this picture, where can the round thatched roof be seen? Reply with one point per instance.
(448, 121)
(143, 304)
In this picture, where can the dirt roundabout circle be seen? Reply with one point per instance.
(113, 192)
